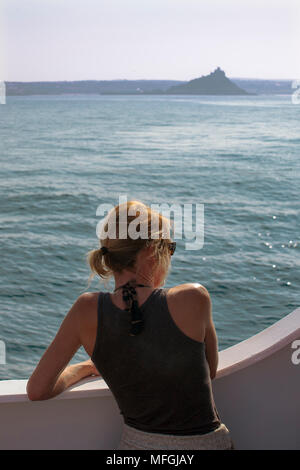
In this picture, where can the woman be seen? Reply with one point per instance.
(155, 348)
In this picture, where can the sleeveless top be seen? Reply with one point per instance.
(160, 378)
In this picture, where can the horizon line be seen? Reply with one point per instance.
(140, 79)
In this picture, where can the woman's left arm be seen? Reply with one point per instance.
(52, 374)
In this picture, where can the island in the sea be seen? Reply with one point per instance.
(216, 83)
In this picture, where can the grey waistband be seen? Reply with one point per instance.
(134, 439)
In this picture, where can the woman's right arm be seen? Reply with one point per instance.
(199, 324)
(211, 339)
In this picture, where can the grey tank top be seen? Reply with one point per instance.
(159, 378)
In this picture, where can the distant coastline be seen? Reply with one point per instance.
(215, 83)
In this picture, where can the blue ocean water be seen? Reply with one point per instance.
(62, 156)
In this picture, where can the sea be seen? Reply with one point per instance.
(61, 157)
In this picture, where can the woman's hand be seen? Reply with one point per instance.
(74, 373)
(91, 367)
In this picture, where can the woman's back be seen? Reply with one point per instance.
(156, 348)
(160, 378)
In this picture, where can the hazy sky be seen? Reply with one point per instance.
(148, 39)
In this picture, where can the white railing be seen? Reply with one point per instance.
(256, 390)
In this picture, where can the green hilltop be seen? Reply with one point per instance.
(216, 83)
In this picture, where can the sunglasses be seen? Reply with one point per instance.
(172, 248)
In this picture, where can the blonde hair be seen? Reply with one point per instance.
(123, 250)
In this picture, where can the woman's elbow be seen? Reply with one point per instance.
(213, 370)
(213, 375)
(34, 394)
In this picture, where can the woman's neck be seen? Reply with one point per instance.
(140, 278)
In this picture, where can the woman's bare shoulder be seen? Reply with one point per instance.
(190, 297)
(192, 290)
(189, 306)
(87, 306)
(88, 298)
(88, 319)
